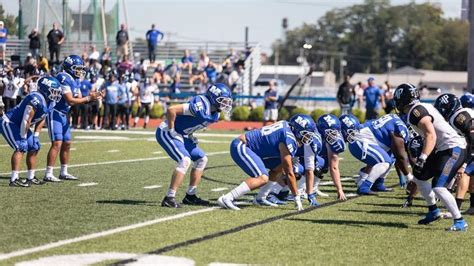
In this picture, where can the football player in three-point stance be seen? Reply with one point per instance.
(253, 153)
(175, 135)
(461, 119)
(15, 127)
(443, 153)
(57, 120)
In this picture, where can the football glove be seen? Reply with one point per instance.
(22, 145)
(36, 143)
(298, 204)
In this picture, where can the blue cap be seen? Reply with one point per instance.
(371, 79)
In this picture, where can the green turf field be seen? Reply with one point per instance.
(127, 176)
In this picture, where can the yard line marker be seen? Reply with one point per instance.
(94, 137)
(73, 149)
(219, 189)
(157, 152)
(27, 251)
(87, 184)
(328, 183)
(113, 151)
(119, 161)
(152, 187)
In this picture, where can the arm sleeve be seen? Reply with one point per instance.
(309, 157)
(24, 121)
(418, 113)
(187, 110)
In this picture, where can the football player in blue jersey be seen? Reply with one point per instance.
(57, 119)
(175, 135)
(15, 128)
(329, 127)
(374, 143)
(254, 151)
(467, 100)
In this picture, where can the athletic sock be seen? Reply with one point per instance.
(31, 174)
(426, 191)
(64, 169)
(147, 119)
(265, 190)
(276, 188)
(317, 180)
(459, 202)
(238, 191)
(448, 200)
(49, 171)
(471, 199)
(191, 190)
(14, 176)
(171, 193)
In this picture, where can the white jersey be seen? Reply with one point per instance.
(146, 93)
(446, 136)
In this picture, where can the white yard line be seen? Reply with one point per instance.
(219, 189)
(152, 187)
(87, 184)
(113, 151)
(108, 132)
(328, 183)
(27, 251)
(120, 161)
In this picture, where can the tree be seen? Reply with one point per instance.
(10, 21)
(373, 33)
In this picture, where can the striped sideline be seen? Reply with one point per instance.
(27, 251)
(119, 161)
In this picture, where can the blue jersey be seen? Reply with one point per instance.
(383, 127)
(111, 92)
(86, 87)
(35, 100)
(123, 94)
(271, 104)
(198, 115)
(68, 85)
(314, 147)
(265, 141)
(372, 95)
(152, 36)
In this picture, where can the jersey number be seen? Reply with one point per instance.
(381, 121)
(267, 130)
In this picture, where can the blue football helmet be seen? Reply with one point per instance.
(447, 104)
(467, 100)
(220, 97)
(350, 125)
(303, 127)
(50, 88)
(74, 66)
(330, 128)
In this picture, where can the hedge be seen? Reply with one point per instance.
(256, 114)
(241, 113)
(283, 114)
(299, 110)
(316, 113)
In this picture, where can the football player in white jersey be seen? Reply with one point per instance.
(443, 153)
(461, 119)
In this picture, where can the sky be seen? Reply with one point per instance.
(225, 20)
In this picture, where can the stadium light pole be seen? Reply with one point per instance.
(470, 57)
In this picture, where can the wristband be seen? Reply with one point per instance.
(423, 156)
(36, 134)
(409, 177)
(464, 165)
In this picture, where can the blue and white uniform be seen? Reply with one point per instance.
(330, 129)
(13, 124)
(197, 115)
(261, 150)
(57, 121)
(308, 156)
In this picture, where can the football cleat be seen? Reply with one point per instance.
(68, 177)
(379, 186)
(263, 202)
(312, 199)
(51, 178)
(283, 195)
(226, 203)
(431, 216)
(194, 200)
(458, 225)
(408, 202)
(320, 193)
(274, 199)
(170, 202)
(18, 183)
(34, 181)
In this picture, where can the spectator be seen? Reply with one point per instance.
(111, 88)
(235, 80)
(125, 66)
(359, 92)
(93, 56)
(43, 64)
(124, 103)
(203, 61)
(84, 109)
(122, 42)
(11, 90)
(152, 36)
(187, 61)
(55, 40)
(233, 57)
(374, 98)
(271, 104)
(345, 96)
(106, 57)
(172, 72)
(210, 72)
(35, 43)
(388, 94)
(145, 101)
(3, 41)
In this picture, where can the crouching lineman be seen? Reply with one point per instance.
(443, 153)
(461, 119)
(373, 144)
(15, 128)
(175, 135)
(249, 151)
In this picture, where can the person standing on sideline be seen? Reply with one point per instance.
(55, 40)
(152, 40)
(35, 43)
(346, 96)
(3, 41)
(271, 104)
(122, 42)
(374, 97)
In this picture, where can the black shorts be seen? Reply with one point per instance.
(94, 107)
(442, 166)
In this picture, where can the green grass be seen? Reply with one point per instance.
(364, 230)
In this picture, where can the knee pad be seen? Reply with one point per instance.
(200, 163)
(183, 165)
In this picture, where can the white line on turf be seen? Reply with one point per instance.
(87, 184)
(98, 137)
(113, 151)
(152, 187)
(219, 189)
(157, 152)
(27, 251)
(108, 132)
(328, 183)
(120, 161)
